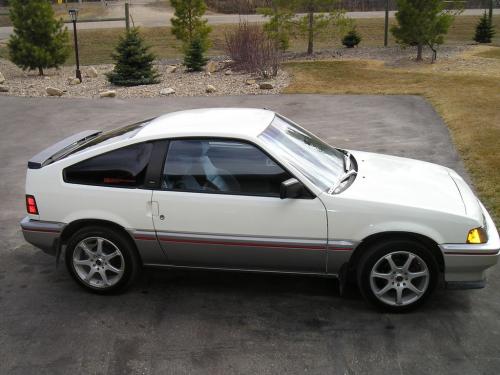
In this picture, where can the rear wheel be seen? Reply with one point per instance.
(397, 275)
(102, 260)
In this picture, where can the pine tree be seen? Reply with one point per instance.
(134, 62)
(194, 59)
(188, 24)
(484, 30)
(351, 39)
(39, 40)
(421, 22)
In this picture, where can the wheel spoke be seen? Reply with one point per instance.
(414, 275)
(86, 249)
(113, 269)
(384, 290)
(399, 296)
(378, 275)
(84, 262)
(414, 289)
(115, 253)
(391, 262)
(99, 246)
(90, 274)
(104, 277)
(407, 264)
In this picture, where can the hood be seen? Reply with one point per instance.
(406, 182)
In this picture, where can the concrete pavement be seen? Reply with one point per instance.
(224, 323)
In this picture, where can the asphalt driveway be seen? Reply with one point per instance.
(194, 322)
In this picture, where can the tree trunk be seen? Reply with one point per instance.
(419, 52)
(310, 33)
(40, 71)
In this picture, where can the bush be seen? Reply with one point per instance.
(39, 40)
(194, 59)
(484, 30)
(252, 51)
(134, 62)
(351, 39)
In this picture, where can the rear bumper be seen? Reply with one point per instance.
(42, 234)
(466, 265)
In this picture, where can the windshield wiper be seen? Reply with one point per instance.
(342, 178)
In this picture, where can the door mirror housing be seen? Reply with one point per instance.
(291, 188)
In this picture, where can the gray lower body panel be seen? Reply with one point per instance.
(42, 234)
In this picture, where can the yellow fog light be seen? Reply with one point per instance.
(477, 235)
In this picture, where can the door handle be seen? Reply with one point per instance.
(155, 211)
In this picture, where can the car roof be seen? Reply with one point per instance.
(215, 122)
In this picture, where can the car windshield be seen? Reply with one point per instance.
(322, 164)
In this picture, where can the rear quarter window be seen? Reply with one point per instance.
(124, 167)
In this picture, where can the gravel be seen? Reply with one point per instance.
(184, 83)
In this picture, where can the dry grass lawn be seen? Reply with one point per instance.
(469, 104)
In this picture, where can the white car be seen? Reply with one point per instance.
(249, 190)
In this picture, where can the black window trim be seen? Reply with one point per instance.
(146, 177)
(310, 194)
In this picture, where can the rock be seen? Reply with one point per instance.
(4, 88)
(108, 94)
(52, 91)
(167, 91)
(73, 81)
(266, 86)
(92, 72)
(2, 78)
(228, 72)
(211, 67)
(46, 77)
(210, 89)
(250, 82)
(171, 69)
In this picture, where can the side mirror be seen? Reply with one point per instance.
(291, 188)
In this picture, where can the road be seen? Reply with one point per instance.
(149, 17)
(195, 322)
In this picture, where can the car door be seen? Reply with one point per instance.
(219, 207)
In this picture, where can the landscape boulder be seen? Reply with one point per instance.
(211, 67)
(266, 86)
(167, 91)
(210, 89)
(4, 88)
(108, 94)
(2, 78)
(171, 69)
(52, 91)
(92, 72)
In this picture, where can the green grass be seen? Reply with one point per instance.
(468, 104)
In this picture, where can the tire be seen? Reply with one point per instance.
(109, 270)
(397, 286)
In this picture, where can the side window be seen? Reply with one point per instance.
(221, 166)
(125, 167)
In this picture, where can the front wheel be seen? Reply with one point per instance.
(102, 260)
(397, 275)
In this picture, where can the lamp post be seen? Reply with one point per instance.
(73, 13)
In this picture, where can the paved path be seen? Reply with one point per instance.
(225, 323)
(149, 17)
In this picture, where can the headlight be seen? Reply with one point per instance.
(477, 235)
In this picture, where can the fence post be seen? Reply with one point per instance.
(386, 25)
(127, 16)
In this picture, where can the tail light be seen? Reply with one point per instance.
(31, 205)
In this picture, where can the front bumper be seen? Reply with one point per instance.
(42, 234)
(466, 265)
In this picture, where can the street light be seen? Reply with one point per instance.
(73, 13)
